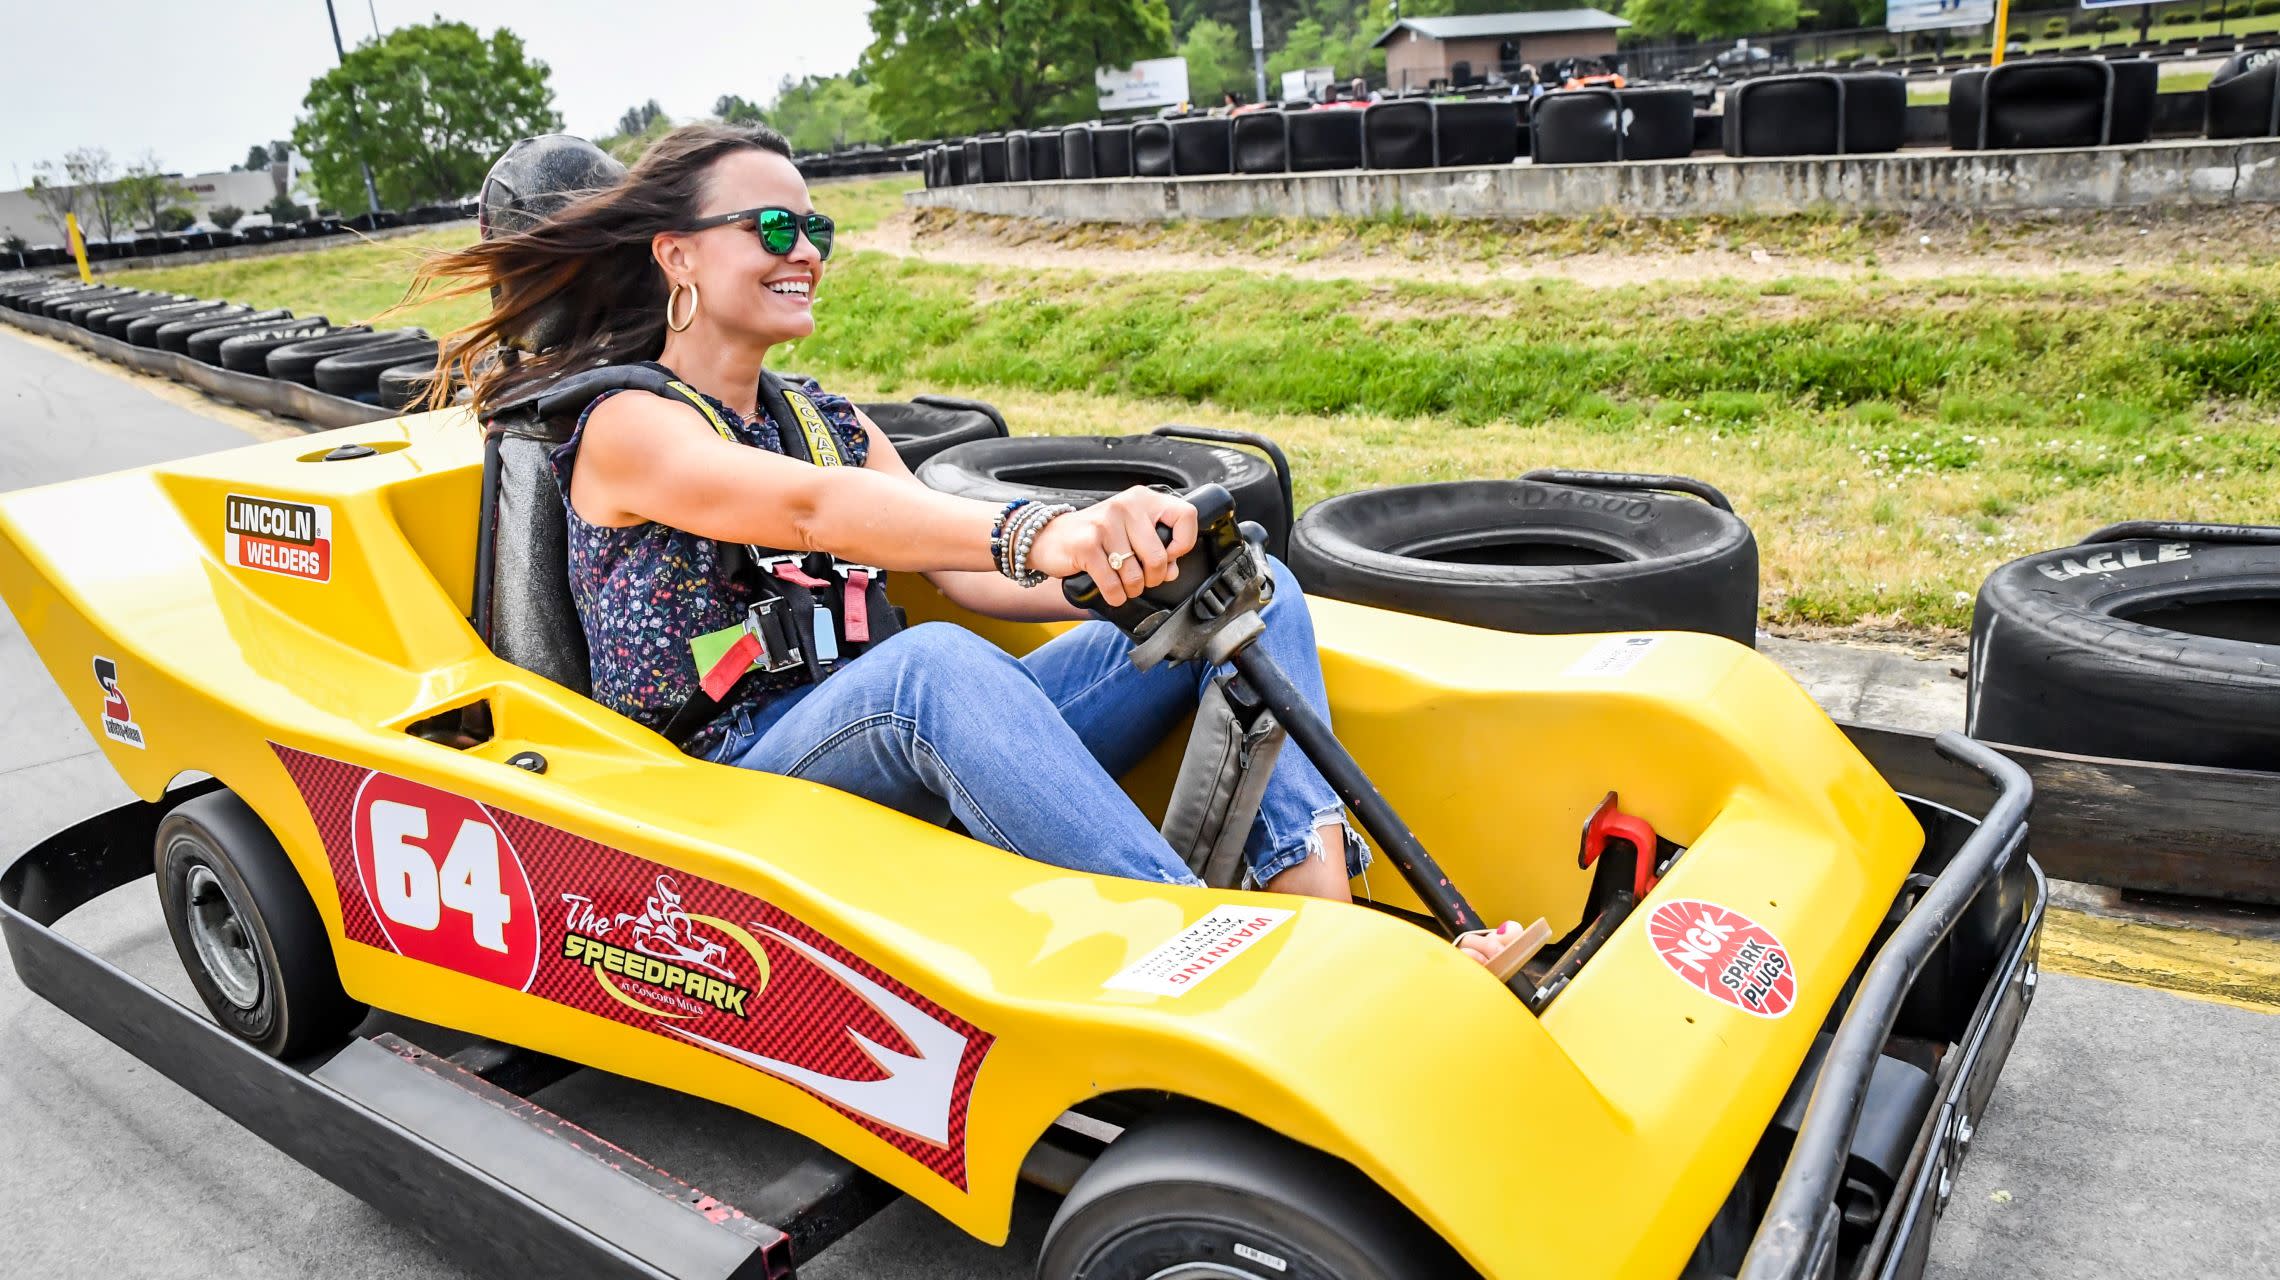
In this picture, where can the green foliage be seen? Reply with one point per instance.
(639, 119)
(432, 105)
(945, 67)
(175, 218)
(2107, 23)
(628, 144)
(1341, 43)
(282, 209)
(1710, 19)
(729, 108)
(257, 156)
(823, 112)
(1218, 61)
(144, 193)
(14, 244)
(90, 169)
(226, 216)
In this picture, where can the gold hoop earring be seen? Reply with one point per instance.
(673, 297)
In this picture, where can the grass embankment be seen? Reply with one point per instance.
(1890, 441)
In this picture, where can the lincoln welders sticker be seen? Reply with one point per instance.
(1726, 955)
(289, 538)
(441, 879)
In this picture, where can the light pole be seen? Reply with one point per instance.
(1258, 53)
(355, 130)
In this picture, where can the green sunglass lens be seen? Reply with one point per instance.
(778, 231)
(819, 231)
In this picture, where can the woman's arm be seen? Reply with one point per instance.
(646, 458)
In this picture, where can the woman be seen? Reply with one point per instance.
(703, 260)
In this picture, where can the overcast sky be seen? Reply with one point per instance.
(198, 83)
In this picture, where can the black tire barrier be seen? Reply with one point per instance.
(1261, 142)
(1112, 150)
(355, 374)
(993, 159)
(1398, 135)
(1876, 112)
(1201, 146)
(52, 305)
(174, 336)
(1017, 157)
(402, 386)
(970, 153)
(1484, 132)
(1152, 149)
(1044, 155)
(1601, 126)
(297, 362)
(2147, 642)
(1327, 139)
(205, 345)
(1527, 555)
(2044, 103)
(75, 310)
(143, 330)
(2244, 96)
(98, 318)
(1085, 469)
(1792, 115)
(117, 323)
(1076, 152)
(250, 352)
(924, 426)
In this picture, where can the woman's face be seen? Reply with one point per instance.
(745, 292)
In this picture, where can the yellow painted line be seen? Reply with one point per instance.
(2244, 972)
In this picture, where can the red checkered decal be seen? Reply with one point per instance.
(442, 879)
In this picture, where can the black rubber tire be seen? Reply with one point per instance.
(1189, 1186)
(1325, 139)
(2244, 95)
(142, 330)
(1521, 555)
(1484, 132)
(2053, 103)
(1201, 145)
(1085, 469)
(2162, 648)
(1795, 115)
(355, 373)
(1876, 112)
(176, 337)
(205, 345)
(250, 352)
(1152, 149)
(1076, 153)
(1398, 135)
(399, 386)
(1261, 140)
(300, 1006)
(97, 318)
(1112, 150)
(298, 361)
(924, 426)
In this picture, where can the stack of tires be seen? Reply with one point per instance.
(1811, 114)
(927, 425)
(2244, 96)
(2146, 641)
(1554, 552)
(1600, 126)
(2052, 102)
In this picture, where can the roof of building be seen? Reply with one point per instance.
(1475, 26)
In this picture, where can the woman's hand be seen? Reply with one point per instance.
(1123, 528)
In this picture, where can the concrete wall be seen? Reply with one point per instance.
(2160, 173)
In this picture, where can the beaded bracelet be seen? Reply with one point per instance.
(998, 543)
(1030, 528)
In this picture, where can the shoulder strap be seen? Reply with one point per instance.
(800, 428)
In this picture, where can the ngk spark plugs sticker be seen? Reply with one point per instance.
(1726, 955)
(439, 878)
(118, 718)
(1198, 951)
(289, 538)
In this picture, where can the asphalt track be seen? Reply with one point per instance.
(2134, 1133)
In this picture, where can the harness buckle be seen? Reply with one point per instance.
(766, 624)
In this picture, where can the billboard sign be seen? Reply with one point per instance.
(1305, 83)
(1158, 82)
(1931, 15)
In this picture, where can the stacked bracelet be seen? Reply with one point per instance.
(1000, 545)
(1021, 532)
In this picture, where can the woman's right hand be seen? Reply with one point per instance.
(1084, 541)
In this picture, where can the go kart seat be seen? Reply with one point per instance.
(522, 605)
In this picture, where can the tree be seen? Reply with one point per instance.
(638, 119)
(282, 209)
(824, 112)
(433, 106)
(145, 192)
(226, 216)
(1217, 61)
(731, 109)
(1710, 19)
(56, 195)
(175, 218)
(257, 156)
(91, 170)
(945, 67)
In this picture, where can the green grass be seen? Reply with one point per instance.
(1890, 441)
(2173, 80)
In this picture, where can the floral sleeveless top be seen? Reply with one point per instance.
(644, 591)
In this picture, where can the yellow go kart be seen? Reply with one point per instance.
(1775, 998)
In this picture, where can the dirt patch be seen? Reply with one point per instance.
(1604, 252)
(1913, 639)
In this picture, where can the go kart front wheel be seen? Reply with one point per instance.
(247, 931)
(1196, 1195)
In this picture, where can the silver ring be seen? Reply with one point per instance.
(1116, 560)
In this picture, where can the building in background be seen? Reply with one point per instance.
(249, 189)
(1421, 52)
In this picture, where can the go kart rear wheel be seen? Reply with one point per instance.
(1199, 1195)
(247, 931)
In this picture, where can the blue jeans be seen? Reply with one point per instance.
(938, 722)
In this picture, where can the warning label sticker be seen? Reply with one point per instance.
(1613, 656)
(1198, 951)
(1726, 955)
(289, 538)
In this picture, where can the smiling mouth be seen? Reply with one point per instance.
(790, 288)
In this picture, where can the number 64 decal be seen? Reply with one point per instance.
(444, 880)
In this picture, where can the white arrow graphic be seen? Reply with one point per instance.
(915, 1094)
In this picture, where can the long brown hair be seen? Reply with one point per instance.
(587, 264)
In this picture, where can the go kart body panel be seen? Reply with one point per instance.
(926, 1005)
